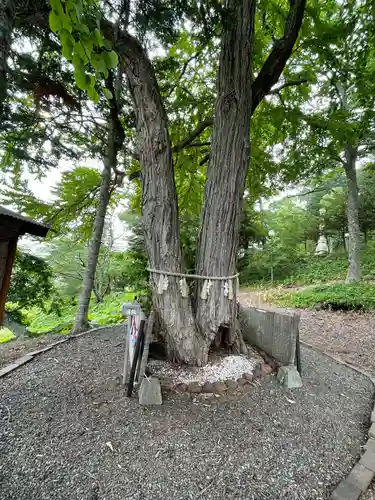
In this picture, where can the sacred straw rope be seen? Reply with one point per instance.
(194, 276)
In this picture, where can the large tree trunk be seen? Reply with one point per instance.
(81, 321)
(159, 206)
(227, 169)
(7, 8)
(354, 242)
(225, 177)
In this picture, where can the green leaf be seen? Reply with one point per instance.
(108, 94)
(111, 59)
(71, 12)
(78, 63)
(98, 38)
(94, 96)
(57, 7)
(67, 23)
(78, 9)
(88, 44)
(99, 64)
(83, 80)
(80, 52)
(67, 42)
(82, 28)
(107, 44)
(54, 21)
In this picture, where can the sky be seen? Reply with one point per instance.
(42, 190)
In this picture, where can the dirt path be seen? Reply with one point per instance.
(68, 432)
(349, 335)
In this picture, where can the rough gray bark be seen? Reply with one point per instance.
(81, 320)
(354, 241)
(354, 231)
(238, 97)
(227, 168)
(225, 180)
(7, 8)
(115, 140)
(159, 205)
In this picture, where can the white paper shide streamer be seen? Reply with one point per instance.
(230, 290)
(163, 284)
(184, 288)
(206, 289)
(230, 287)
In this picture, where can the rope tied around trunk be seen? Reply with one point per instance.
(228, 288)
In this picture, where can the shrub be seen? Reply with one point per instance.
(338, 296)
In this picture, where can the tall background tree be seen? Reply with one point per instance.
(336, 130)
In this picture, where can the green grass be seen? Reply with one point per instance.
(6, 335)
(336, 296)
(106, 313)
(332, 267)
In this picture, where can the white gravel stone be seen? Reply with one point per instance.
(229, 367)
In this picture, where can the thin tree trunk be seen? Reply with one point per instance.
(159, 206)
(7, 8)
(343, 240)
(81, 321)
(115, 140)
(98, 296)
(354, 242)
(227, 168)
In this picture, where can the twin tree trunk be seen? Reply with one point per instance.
(190, 335)
(189, 328)
(354, 243)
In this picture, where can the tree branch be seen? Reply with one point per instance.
(184, 68)
(195, 133)
(275, 63)
(306, 193)
(199, 144)
(270, 72)
(268, 75)
(204, 160)
(292, 83)
(81, 261)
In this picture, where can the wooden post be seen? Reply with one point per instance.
(126, 356)
(148, 337)
(12, 246)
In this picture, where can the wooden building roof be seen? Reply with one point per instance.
(13, 225)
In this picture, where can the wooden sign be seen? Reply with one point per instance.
(135, 315)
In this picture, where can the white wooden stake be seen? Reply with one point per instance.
(126, 356)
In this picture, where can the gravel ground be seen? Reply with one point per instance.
(68, 433)
(9, 351)
(349, 335)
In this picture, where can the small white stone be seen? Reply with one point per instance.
(230, 367)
